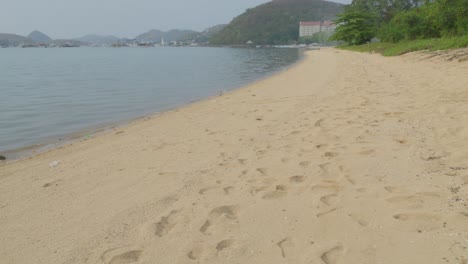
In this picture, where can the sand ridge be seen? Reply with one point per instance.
(344, 158)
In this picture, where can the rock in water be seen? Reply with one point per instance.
(2, 157)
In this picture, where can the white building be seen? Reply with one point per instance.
(309, 28)
(312, 28)
(328, 26)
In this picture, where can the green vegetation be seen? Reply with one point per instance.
(404, 25)
(355, 27)
(320, 38)
(276, 22)
(402, 47)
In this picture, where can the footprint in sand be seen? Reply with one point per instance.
(394, 114)
(297, 179)
(416, 201)
(319, 122)
(333, 255)
(166, 224)
(256, 190)
(321, 214)
(304, 163)
(295, 132)
(207, 190)
(367, 152)
(228, 189)
(227, 243)
(216, 215)
(279, 192)
(196, 253)
(216, 190)
(418, 222)
(319, 146)
(326, 188)
(331, 154)
(329, 199)
(263, 171)
(121, 255)
(360, 220)
(394, 189)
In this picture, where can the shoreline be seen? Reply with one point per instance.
(296, 168)
(26, 152)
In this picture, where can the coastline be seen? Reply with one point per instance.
(26, 152)
(344, 158)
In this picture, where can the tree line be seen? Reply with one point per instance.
(398, 20)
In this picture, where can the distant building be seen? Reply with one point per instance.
(328, 26)
(309, 28)
(312, 28)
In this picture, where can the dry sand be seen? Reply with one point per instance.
(344, 158)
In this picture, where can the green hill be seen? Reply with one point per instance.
(276, 22)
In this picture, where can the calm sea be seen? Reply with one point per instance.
(46, 94)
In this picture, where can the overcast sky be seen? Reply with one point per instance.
(122, 18)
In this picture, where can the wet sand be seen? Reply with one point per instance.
(344, 158)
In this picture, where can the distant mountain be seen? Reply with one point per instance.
(276, 22)
(12, 40)
(39, 37)
(172, 35)
(205, 35)
(177, 34)
(213, 30)
(98, 39)
(153, 35)
(35, 38)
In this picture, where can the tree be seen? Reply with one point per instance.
(439, 18)
(417, 23)
(452, 16)
(307, 40)
(320, 37)
(354, 27)
(384, 10)
(398, 20)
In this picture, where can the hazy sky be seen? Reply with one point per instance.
(122, 18)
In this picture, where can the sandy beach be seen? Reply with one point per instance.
(344, 158)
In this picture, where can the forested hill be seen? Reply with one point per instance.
(276, 22)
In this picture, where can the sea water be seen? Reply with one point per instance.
(47, 94)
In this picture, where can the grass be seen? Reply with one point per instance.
(395, 49)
